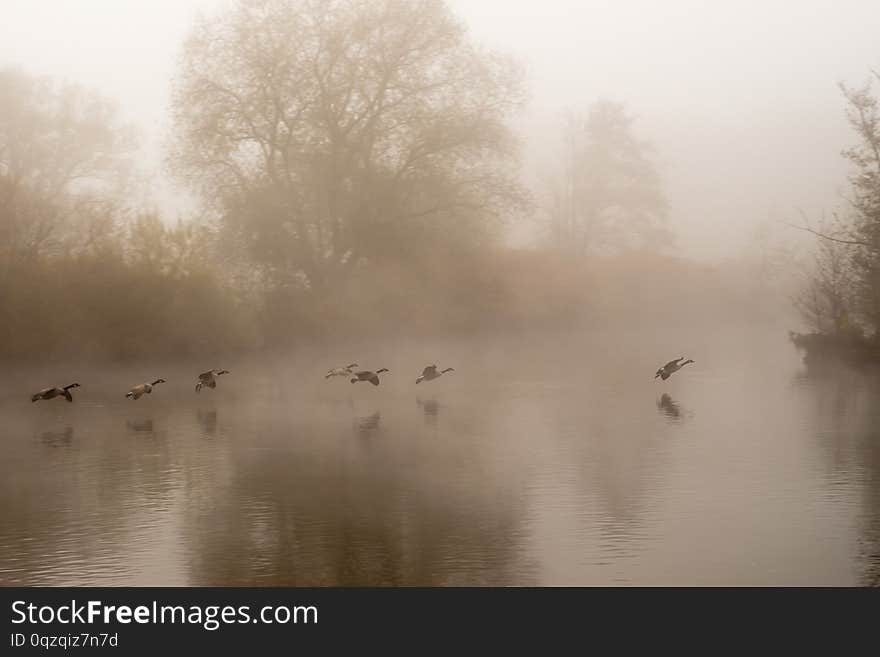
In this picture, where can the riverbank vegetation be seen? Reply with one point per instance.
(840, 301)
(357, 171)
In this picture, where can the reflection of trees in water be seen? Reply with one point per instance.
(870, 455)
(61, 438)
(846, 404)
(871, 531)
(80, 506)
(621, 462)
(319, 517)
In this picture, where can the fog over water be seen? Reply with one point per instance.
(553, 198)
(517, 468)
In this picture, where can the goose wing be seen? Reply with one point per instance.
(42, 394)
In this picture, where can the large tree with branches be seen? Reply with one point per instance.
(332, 133)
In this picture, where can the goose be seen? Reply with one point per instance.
(430, 373)
(207, 378)
(340, 371)
(671, 368)
(372, 377)
(144, 388)
(51, 393)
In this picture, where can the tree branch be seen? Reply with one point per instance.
(825, 236)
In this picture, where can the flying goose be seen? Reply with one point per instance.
(340, 371)
(207, 378)
(372, 377)
(430, 373)
(144, 388)
(51, 393)
(671, 368)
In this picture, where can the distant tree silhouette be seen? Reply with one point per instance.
(63, 159)
(610, 195)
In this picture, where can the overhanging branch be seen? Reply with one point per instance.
(825, 236)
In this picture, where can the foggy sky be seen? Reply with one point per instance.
(740, 99)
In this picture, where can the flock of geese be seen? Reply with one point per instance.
(205, 379)
(209, 379)
(428, 374)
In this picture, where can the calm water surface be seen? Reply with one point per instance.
(547, 460)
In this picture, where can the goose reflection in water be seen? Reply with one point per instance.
(207, 421)
(668, 407)
(431, 409)
(140, 426)
(61, 438)
(365, 427)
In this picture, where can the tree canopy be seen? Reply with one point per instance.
(334, 133)
(63, 158)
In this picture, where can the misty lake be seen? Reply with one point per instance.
(542, 460)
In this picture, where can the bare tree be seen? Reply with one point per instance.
(864, 116)
(846, 280)
(827, 299)
(61, 152)
(330, 133)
